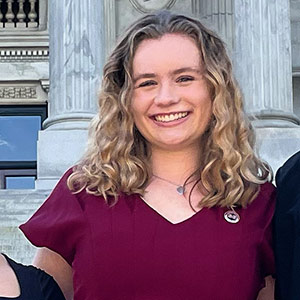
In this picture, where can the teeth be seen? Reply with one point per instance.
(171, 117)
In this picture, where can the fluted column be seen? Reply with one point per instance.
(76, 52)
(76, 33)
(262, 54)
(219, 14)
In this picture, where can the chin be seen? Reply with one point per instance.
(174, 144)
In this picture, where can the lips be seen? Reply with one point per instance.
(165, 118)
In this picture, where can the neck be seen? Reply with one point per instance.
(175, 165)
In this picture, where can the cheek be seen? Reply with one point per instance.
(206, 112)
(139, 105)
(135, 105)
(136, 112)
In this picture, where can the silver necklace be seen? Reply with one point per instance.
(179, 188)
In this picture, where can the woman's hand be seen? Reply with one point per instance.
(56, 266)
(267, 293)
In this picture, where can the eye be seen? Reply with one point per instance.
(184, 78)
(147, 83)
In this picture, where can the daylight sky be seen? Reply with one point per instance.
(18, 136)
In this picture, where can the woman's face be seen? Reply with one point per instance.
(171, 102)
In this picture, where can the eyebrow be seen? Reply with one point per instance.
(175, 72)
(143, 75)
(186, 69)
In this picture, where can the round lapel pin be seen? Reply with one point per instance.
(231, 216)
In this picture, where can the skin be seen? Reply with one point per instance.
(166, 80)
(166, 83)
(46, 260)
(9, 286)
(55, 265)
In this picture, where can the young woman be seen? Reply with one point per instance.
(170, 201)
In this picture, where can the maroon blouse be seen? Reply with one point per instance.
(129, 251)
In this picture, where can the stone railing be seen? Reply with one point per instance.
(19, 14)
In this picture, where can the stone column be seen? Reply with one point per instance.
(76, 61)
(218, 14)
(262, 55)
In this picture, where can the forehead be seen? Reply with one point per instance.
(169, 51)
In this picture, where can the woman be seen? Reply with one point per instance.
(26, 282)
(170, 200)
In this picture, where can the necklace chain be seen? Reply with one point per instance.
(180, 188)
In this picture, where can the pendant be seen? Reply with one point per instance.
(180, 190)
(231, 216)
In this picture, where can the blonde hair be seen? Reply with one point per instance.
(117, 158)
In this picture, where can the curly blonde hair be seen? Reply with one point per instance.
(117, 158)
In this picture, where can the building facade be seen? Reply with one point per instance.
(43, 127)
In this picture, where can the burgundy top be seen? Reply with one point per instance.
(130, 252)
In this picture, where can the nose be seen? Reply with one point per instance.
(166, 95)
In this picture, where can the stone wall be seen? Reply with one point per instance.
(15, 208)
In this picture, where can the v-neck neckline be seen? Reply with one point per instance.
(184, 221)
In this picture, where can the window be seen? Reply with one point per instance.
(19, 126)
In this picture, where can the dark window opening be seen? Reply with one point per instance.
(19, 127)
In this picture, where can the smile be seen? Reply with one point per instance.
(170, 117)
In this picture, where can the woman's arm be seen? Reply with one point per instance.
(267, 293)
(56, 266)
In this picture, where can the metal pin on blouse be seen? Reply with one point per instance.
(231, 216)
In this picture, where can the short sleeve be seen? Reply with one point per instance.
(59, 223)
(267, 246)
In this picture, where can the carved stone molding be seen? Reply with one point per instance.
(23, 55)
(146, 6)
(109, 25)
(22, 93)
(218, 14)
(23, 18)
(45, 85)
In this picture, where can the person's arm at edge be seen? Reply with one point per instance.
(267, 293)
(56, 266)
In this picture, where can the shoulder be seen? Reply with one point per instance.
(60, 222)
(35, 281)
(266, 195)
(24, 270)
(267, 189)
(62, 189)
(62, 184)
(46, 284)
(64, 198)
(288, 186)
(263, 206)
(49, 287)
(290, 171)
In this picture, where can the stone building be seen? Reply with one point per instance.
(66, 42)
